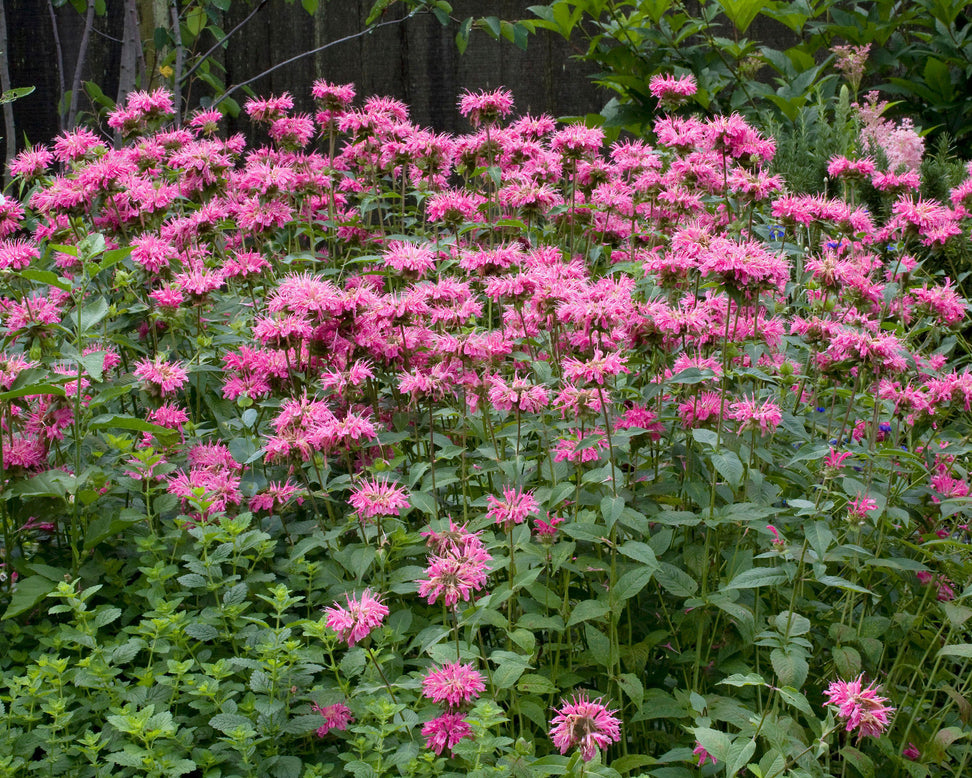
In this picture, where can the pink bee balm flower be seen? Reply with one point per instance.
(159, 376)
(336, 716)
(453, 684)
(547, 530)
(377, 497)
(513, 508)
(354, 623)
(456, 574)
(486, 107)
(445, 732)
(585, 724)
(672, 90)
(862, 708)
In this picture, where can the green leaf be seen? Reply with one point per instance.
(756, 577)
(125, 422)
(92, 314)
(462, 37)
(196, 20)
(792, 624)
(738, 679)
(847, 660)
(859, 761)
(377, 10)
(790, 666)
(963, 650)
(105, 616)
(310, 6)
(631, 685)
(630, 584)
(715, 742)
(675, 581)
(202, 632)
(742, 12)
(640, 552)
(493, 26)
(46, 277)
(423, 501)
(531, 683)
(729, 467)
(841, 583)
(227, 722)
(27, 594)
(587, 610)
(15, 94)
(509, 668)
(611, 510)
(797, 700)
(819, 537)
(33, 389)
(740, 752)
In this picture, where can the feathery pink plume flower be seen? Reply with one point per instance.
(160, 376)
(336, 716)
(861, 707)
(486, 107)
(454, 684)
(354, 623)
(671, 90)
(585, 724)
(445, 731)
(513, 508)
(377, 497)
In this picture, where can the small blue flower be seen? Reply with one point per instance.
(884, 426)
(776, 232)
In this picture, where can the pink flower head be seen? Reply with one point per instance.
(513, 508)
(354, 623)
(585, 724)
(547, 529)
(160, 376)
(672, 90)
(858, 508)
(836, 459)
(456, 574)
(486, 107)
(752, 414)
(269, 109)
(911, 752)
(333, 97)
(445, 732)
(377, 497)
(336, 716)
(862, 708)
(453, 684)
(702, 754)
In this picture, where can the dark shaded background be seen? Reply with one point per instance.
(416, 61)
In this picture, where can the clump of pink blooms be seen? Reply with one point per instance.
(355, 621)
(584, 724)
(360, 293)
(861, 707)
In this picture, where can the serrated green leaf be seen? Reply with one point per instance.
(588, 610)
(202, 631)
(756, 577)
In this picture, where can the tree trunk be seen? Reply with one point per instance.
(79, 67)
(9, 131)
(130, 53)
